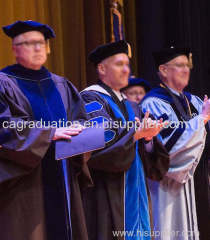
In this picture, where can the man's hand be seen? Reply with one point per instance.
(67, 132)
(206, 109)
(149, 128)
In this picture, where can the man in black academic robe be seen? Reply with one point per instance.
(33, 197)
(118, 201)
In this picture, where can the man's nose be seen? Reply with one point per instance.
(139, 98)
(186, 68)
(37, 46)
(126, 68)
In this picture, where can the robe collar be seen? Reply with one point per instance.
(98, 88)
(21, 72)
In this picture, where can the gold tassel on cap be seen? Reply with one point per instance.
(48, 46)
(190, 61)
(129, 51)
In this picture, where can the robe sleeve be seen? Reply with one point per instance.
(154, 155)
(184, 140)
(119, 152)
(21, 148)
(156, 161)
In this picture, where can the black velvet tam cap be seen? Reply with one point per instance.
(107, 50)
(20, 27)
(166, 54)
(138, 82)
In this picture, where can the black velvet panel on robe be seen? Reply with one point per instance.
(104, 203)
(22, 206)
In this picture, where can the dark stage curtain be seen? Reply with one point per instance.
(182, 22)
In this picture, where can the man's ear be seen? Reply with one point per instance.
(163, 70)
(101, 69)
(14, 50)
(14, 47)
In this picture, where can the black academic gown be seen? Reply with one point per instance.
(32, 200)
(104, 203)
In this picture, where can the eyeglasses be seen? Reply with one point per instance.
(135, 94)
(180, 65)
(32, 44)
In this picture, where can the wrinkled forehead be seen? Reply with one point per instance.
(136, 88)
(117, 57)
(31, 35)
(179, 59)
